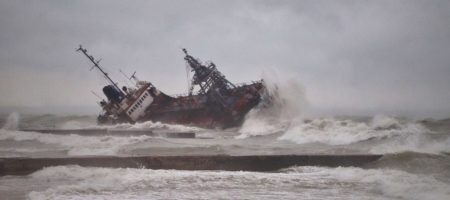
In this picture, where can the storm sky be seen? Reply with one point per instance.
(352, 57)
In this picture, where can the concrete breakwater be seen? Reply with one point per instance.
(23, 166)
(114, 132)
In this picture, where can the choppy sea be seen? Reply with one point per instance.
(416, 164)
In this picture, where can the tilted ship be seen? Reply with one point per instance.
(216, 103)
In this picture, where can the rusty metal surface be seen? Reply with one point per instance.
(196, 110)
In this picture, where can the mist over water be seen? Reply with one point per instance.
(286, 120)
(12, 122)
(282, 106)
(416, 164)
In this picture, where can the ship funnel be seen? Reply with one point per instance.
(113, 94)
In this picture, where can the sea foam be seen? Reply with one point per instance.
(74, 182)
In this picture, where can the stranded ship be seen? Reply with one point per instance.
(212, 100)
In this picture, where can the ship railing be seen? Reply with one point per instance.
(180, 94)
(195, 93)
(246, 83)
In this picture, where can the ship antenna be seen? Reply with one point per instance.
(96, 65)
(133, 76)
(126, 77)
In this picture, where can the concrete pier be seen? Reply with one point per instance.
(23, 166)
(99, 132)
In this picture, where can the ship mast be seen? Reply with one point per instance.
(96, 65)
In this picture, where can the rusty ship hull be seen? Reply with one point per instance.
(212, 101)
(196, 110)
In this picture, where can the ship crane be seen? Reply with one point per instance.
(207, 77)
(211, 82)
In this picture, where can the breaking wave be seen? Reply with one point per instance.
(284, 117)
(282, 106)
(67, 182)
(12, 121)
(416, 142)
(339, 132)
(151, 125)
(435, 165)
(390, 183)
(75, 144)
(385, 134)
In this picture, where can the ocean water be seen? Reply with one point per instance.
(416, 164)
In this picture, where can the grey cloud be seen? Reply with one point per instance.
(358, 57)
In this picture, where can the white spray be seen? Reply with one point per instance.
(287, 101)
(12, 122)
